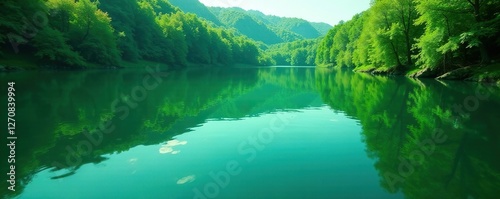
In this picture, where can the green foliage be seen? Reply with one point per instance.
(297, 53)
(322, 28)
(299, 26)
(87, 33)
(441, 36)
(16, 19)
(81, 26)
(298, 57)
(248, 25)
(196, 7)
(52, 45)
(266, 28)
(245, 51)
(339, 45)
(389, 27)
(125, 21)
(172, 28)
(325, 46)
(92, 34)
(399, 34)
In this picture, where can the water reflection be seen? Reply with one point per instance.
(430, 140)
(75, 118)
(422, 144)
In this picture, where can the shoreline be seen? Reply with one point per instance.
(488, 74)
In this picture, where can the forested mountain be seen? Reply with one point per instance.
(429, 36)
(322, 28)
(254, 24)
(91, 33)
(287, 29)
(246, 25)
(295, 25)
(196, 7)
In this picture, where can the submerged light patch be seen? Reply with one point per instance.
(168, 148)
(186, 179)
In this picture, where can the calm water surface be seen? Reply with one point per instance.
(252, 133)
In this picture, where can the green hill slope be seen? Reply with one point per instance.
(195, 7)
(247, 25)
(254, 24)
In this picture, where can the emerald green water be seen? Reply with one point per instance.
(275, 132)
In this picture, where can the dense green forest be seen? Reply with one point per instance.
(426, 36)
(296, 53)
(85, 33)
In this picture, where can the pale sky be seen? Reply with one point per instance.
(328, 11)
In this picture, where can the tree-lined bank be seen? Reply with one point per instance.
(87, 33)
(425, 38)
(420, 38)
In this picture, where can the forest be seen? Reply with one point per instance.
(454, 39)
(418, 37)
(113, 34)
(296, 53)
(92, 33)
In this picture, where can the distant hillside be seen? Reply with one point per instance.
(295, 25)
(247, 25)
(196, 7)
(120, 33)
(299, 26)
(322, 28)
(256, 25)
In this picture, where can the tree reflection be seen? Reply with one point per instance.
(68, 110)
(422, 147)
(65, 111)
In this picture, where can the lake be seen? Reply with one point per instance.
(278, 132)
